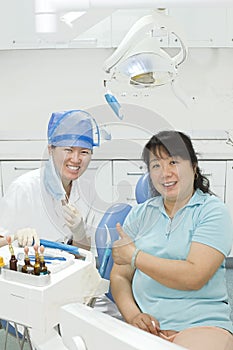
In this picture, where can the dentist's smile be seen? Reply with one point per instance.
(73, 168)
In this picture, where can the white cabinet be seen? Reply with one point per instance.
(229, 190)
(203, 27)
(1, 185)
(229, 187)
(99, 173)
(215, 171)
(230, 27)
(126, 173)
(122, 21)
(115, 180)
(12, 169)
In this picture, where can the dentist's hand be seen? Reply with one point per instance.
(27, 237)
(74, 221)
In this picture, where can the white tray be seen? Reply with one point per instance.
(20, 277)
(54, 265)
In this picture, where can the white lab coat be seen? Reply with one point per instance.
(28, 204)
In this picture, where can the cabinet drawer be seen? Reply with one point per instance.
(215, 171)
(13, 169)
(126, 173)
(219, 191)
(124, 194)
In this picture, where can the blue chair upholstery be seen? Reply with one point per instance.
(142, 190)
(116, 213)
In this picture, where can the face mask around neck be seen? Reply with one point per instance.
(52, 181)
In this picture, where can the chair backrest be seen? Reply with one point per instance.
(116, 213)
(142, 190)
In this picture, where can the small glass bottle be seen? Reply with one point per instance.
(27, 267)
(13, 261)
(37, 261)
(43, 267)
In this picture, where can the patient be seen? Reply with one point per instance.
(168, 276)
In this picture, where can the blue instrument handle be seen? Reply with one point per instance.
(57, 245)
(60, 258)
(104, 263)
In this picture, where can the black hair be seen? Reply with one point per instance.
(175, 143)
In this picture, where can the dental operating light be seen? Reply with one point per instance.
(139, 61)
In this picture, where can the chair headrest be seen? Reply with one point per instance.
(142, 190)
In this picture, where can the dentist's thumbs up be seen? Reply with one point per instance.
(123, 249)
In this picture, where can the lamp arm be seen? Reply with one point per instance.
(135, 34)
(182, 54)
(138, 32)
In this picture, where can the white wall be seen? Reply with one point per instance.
(35, 83)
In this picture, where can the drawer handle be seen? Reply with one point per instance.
(130, 199)
(16, 168)
(208, 174)
(134, 173)
(92, 168)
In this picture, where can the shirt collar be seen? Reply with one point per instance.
(197, 198)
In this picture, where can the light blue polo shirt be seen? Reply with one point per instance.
(204, 219)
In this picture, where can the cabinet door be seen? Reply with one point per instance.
(125, 177)
(13, 169)
(215, 171)
(99, 172)
(1, 188)
(229, 27)
(229, 187)
(229, 190)
(122, 22)
(203, 27)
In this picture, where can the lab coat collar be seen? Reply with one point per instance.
(75, 191)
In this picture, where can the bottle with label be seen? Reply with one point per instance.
(37, 261)
(27, 267)
(13, 261)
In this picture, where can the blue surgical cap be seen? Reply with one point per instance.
(75, 128)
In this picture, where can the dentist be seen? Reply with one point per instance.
(51, 203)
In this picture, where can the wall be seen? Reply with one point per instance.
(36, 82)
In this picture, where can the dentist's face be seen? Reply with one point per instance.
(173, 177)
(71, 162)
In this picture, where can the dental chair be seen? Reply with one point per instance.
(142, 190)
(106, 232)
